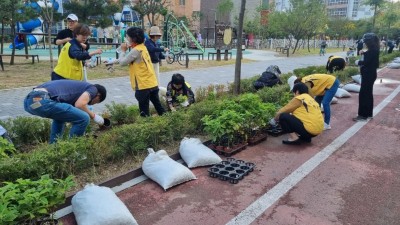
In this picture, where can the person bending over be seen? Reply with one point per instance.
(66, 101)
(335, 63)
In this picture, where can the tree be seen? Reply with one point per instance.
(100, 11)
(224, 8)
(12, 12)
(238, 62)
(301, 20)
(376, 4)
(49, 15)
(151, 9)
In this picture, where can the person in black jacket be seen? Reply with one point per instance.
(154, 50)
(268, 78)
(178, 87)
(335, 63)
(66, 35)
(369, 64)
(360, 46)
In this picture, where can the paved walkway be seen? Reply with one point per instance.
(120, 91)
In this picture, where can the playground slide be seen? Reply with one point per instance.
(32, 26)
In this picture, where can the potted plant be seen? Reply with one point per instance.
(32, 202)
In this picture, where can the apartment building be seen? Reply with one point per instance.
(350, 9)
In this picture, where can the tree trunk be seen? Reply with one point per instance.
(238, 63)
(13, 41)
(2, 35)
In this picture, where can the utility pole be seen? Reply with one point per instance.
(238, 63)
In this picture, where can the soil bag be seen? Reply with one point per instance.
(393, 65)
(341, 93)
(357, 78)
(352, 87)
(165, 171)
(195, 154)
(95, 205)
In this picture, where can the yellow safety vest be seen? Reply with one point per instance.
(334, 57)
(320, 82)
(310, 114)
(141, 71)
(68, 67)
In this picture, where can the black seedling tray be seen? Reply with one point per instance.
(275, 131)
(231, 170)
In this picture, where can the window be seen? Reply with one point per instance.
(181, 2)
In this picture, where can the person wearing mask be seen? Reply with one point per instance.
(154, 50)
(335, 63)
(368, 64)
(66, 101)
(67, 34)
(70, 60)
(323, 88)
(178, 87)
(301, 118)
(141, 72)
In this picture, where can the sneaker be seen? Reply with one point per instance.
(327, 126)
(360, 119)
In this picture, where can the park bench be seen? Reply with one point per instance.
(28, 55)
(1, 63)
(214, 53)
(285, 50)
(199, 54)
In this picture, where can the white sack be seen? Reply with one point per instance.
(396, 60)
(357, 78)
(96, 205)
(291, 81)
(341, 93)
(334, 100)
(165, 171)
(352, 87)
(195, 154)
(393, 65)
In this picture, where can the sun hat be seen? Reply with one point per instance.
(72, 17)
(154, 30)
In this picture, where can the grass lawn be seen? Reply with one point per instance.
(315, 51)
(23, 73)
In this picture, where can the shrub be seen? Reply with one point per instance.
(25, 200)
(122, 113)
(6, 148)
(301, 72)
(278, 95)
(28, 130)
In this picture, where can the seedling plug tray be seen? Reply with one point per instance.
(231, 170)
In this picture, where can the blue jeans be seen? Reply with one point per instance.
(40, 104)
(326, 100)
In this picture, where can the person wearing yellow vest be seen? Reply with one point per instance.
(301, 117)
(323, 87)
(141, 72)
(179, 87)
(335, 63)
(70, 65)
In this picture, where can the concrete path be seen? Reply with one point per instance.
(120, 91)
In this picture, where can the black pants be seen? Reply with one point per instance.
(366, 97)
(290, 124)
(144, 97)
(55, 76)
(390, 49)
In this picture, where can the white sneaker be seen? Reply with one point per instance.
(327, 126)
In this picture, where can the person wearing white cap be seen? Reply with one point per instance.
(154, 50)
(66, 35)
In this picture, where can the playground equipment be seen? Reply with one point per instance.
(33, 26)
(177, 35)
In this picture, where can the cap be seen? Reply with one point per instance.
(291, 81)
(72, 17)
(155, 31)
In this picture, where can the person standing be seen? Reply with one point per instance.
(335, 63)
(70, 65)
(100, 35)
(391, 46)
(155, 51)
(141, 72)
(301, 117)
(368, 64)
(66, 101)
(360, 46)
(67, 34)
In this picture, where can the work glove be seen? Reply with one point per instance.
(98, 119)
(272, 122)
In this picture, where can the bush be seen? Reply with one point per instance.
(278, 95)
(301, 72)
(28, 130)
(122, 113)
